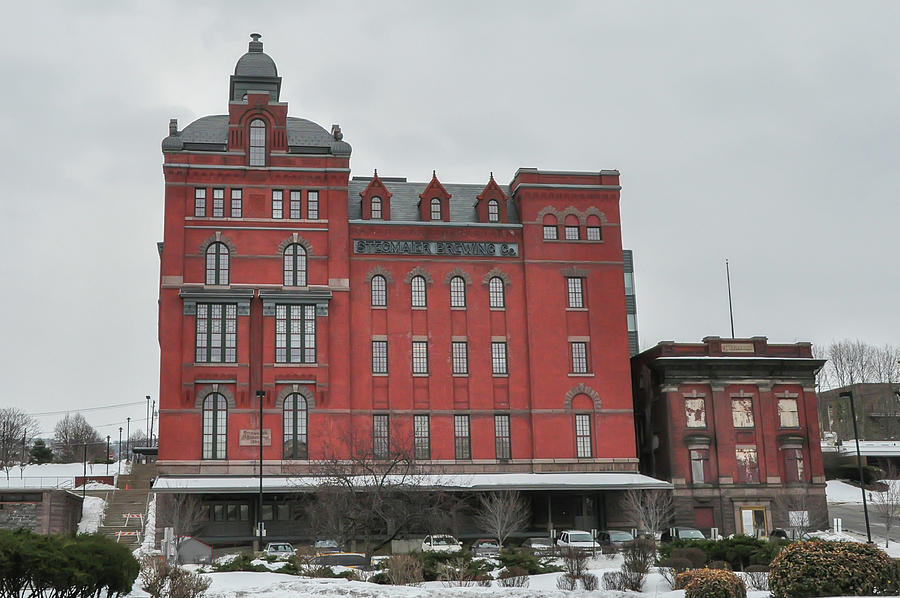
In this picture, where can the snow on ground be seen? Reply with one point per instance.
(148, 546)
(92, 510)
(57, 475)
(95, 486)
(837, 491)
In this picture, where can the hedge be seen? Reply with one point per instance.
(827, 568)
(711, 583)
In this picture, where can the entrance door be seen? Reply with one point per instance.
(753, 522)
(585, 513)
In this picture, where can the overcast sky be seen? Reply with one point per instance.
(766, 133)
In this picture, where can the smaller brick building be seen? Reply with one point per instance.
(878, 406)
(732, 423)
(41, 510)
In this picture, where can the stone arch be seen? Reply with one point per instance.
(593, 211)
(545, 211)
(583, 389)
(218, 237)
(290, 389)
(573, 211)
(419, 271)
(496, 273)
(222, 389)
(458, 272)
(295, 238)
(379, 271)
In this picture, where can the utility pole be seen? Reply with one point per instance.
(84, 474)
(261, 395)
(862, 482)
(107, 454)
(128, 440)
(148, 417)
(152, 421)
(119, 452)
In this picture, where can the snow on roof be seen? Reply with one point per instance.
(481, 481)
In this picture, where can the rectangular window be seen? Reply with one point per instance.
(498, 358)
(200, 203)
(747, 465)
(699, 461)
(379, 357)
(571, 233)
(579, 358)
(312, 205)
(277, 203)
(462, 441)
(583, 435)
(695, 413)
(218, 207)
(381, 446)
(787, 413)
(420, 357)
(576, 292)
(501, 437)
(631, 322)
(422, 429)
(295, 207)
(793, 465)
(216, 340)
(551, 233)
(593, 233)
(629, 283)
(742, 412)
(237, 204)
(295, 333)
(460, 355)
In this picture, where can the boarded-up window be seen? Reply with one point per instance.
(742, 412)
(793, 465)
(747, 466)
(699, 461)
(695, 413)
(787, 413)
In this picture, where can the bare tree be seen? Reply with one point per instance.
(651, 510)
(796, 510)
(887, 503)
(371, 497)
(71, 434)
(16, 429)
(857, 362)
(182, 512)
(502, 513)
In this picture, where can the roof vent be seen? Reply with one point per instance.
(255, 45)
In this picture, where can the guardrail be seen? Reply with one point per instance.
(14, 482)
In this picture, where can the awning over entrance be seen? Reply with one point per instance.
(450, 482)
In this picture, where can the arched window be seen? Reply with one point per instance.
(295, 411)
(551, 230)
(435, 209)
(379, 291)
(497, 292)
(295, 265)
(493, 211)
(376, 208)
(215, 425)
(457, 292)
(257, 142)
(417, 291)
(217, 263)
(572, 228)
(593, 232)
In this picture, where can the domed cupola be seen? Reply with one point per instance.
(255, 71)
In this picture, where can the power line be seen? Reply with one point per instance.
(88, 409)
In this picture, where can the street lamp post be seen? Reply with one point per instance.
(128, 440)
(148, 417)
(119, 452)
(862, 482)
(84, 473)
(261, 395)
(107, 454)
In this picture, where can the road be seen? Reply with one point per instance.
(853, 520)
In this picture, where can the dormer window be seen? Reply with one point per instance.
(435, 208)
(376, 208)
(493, 211)
(257, 142)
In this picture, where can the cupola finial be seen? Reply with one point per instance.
(255, 44)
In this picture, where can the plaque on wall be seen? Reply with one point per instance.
(251, 437)
(737, 347)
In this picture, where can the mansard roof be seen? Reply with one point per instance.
(405, 199)
(210, 133)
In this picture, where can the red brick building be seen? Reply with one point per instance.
(732, 423)
(484, 325)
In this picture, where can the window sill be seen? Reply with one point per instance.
(458, 308)
(500, 375)
(576, 309)
(582, 375)
(379, 307)
(791, 428)
(380, 375)
(420, 375)
(208, 364)
(460, 375)
(294, 365)
(498, 309)
(419, 307)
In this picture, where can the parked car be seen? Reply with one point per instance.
(614, 538)
(539, 546)
(441, 543)
(281, 550)
(789, 534)
(353, 560)
(485, 547)
(682, 533)
(576, 538)
(326, 546)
